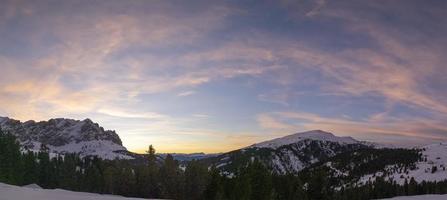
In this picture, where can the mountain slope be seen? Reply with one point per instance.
(431, 166)
(400, 166)
(67, 136)
(348, 168)
(288, 154)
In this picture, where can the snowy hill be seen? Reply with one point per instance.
(364, 167)
(10, 192)
(289, 154)
(432, 167)
(67, 136)
(309, 135)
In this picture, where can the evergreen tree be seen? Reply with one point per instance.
(412, 187)
(45, 170)
(214, 189)
(93, 180)
(170, 178)
(10, 159)
(152, 174)
(126, 182)
(288, 187)
(318, 185)
(30, 168)
(196, 176)
(260, 181)
(241, 187)
(68, 172)
(110, 179)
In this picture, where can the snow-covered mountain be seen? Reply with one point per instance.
(309, 135)
(289, 154)
(85, 137)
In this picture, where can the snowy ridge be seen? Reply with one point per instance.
(431, 168)
(61, 136)
(101, 148)
(309, 135)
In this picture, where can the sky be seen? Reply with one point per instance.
(213, 76)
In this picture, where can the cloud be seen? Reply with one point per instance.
(201, 115)
(403, 131)
(126, 114)
(186, 93)
(74, 59)
(77, 71)
(269, 122)
(319, 5)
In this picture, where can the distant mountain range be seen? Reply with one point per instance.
(346, 160)
(188, 156)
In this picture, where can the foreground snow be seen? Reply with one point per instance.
(420, 197)
(10, 192)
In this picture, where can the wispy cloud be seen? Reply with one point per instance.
(127, 114)
(118, 61)
(201, 115)
(404, 131)
(186, 93)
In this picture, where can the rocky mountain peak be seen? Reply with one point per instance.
(64, 135)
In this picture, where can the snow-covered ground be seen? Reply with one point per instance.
(420, 197)
(33, 192)
(436, 156)
(102, 148)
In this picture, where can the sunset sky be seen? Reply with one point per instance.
(213, 76)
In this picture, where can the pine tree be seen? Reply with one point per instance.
(110, 179)
(93, 180)
(45, 170)
(260, 181)
(10, 159)
(318, 185)
(69, 174)
(241, 187)
(288, 187)
(170, 178)
(153, 170)
(126, 182)
(412, 187)
(214, 189)
(196, 176)
(30, 168)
